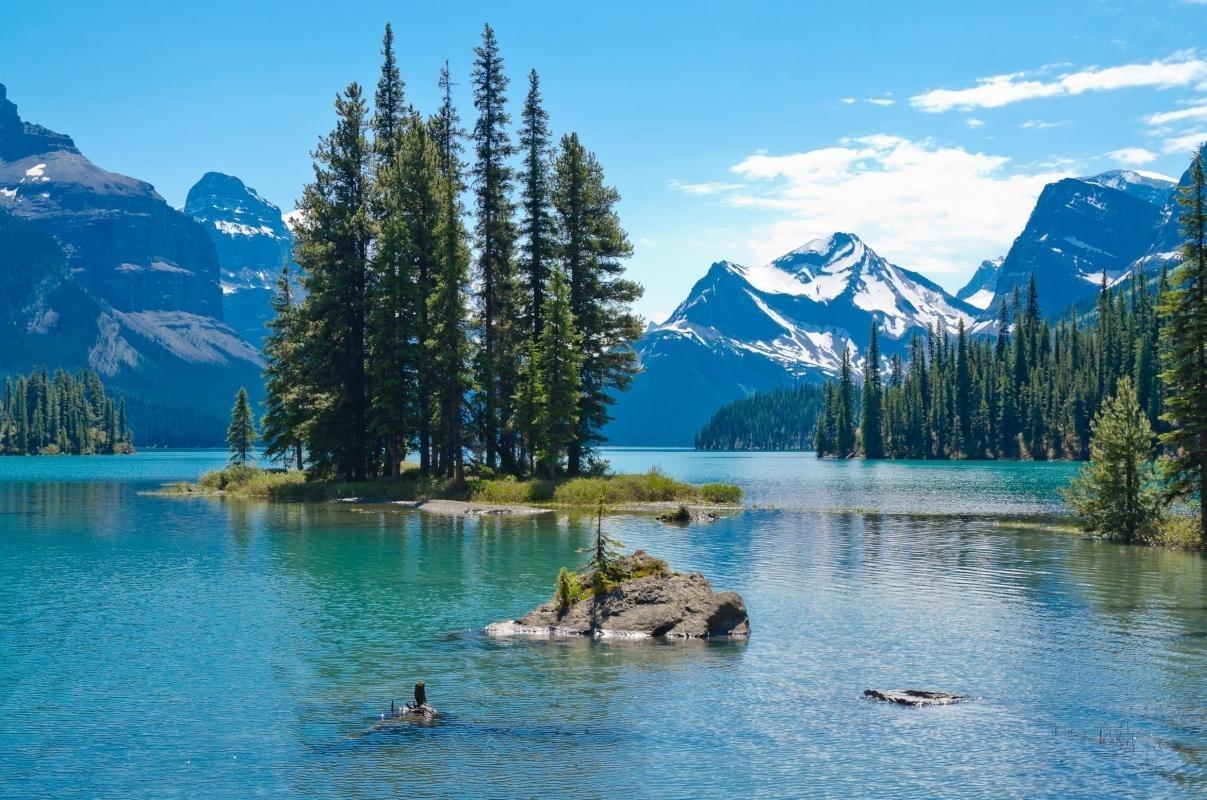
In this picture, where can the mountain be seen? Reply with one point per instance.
(743, 329)
(1167, 241)
(979, 290)
(99, 271)
(1080, 229)
(253, 244)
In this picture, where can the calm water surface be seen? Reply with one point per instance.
(171, 647)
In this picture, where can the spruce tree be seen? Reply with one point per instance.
(555, 365)
(873, 393)
(285, 408)
(535, 201)
(844, 422)
(333, 249)
(495, 239)
(241, 434)
(1184, 349)
(591, 245)
(448, 342)
(1116, 493)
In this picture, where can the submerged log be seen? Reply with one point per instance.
(913, 697)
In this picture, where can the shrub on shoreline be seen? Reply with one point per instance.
(292, 485)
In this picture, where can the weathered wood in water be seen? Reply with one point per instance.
(913, 697)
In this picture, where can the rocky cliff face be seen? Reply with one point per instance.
(253, 244)
(97, 270)
(1080, 230)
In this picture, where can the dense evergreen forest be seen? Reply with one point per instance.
(781, 419)
(61, 413)
(1028, 390)
(404, 348)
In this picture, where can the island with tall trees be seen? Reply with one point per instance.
(440, 346)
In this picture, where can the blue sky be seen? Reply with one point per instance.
(732, 130)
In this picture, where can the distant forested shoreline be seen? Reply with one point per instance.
(780, 419)
(62, 413)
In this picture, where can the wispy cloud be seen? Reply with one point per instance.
(922, 204)
(1132, 156)
(875, 101)
(1183, 143)
(1180, 115)
(1181, 69)
(703, 189)
(973, 122)
(1041, 124)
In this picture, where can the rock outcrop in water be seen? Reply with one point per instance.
(665, 603)
(913, 697)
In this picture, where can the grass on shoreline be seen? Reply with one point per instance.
(648, 487)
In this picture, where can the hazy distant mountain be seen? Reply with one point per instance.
(253, 244)
(747, 328)
(126, 285)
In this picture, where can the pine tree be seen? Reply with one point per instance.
(285, 409)
(844, 424)
(448, 342)
(555, 364)
(333, 249)
(873, 392)
(241, 435)
(495, 238)
(535, 200)
(389, 103)
(1116, 493)
(1184, 349)
(591, 245)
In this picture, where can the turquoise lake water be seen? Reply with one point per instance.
(157, 646)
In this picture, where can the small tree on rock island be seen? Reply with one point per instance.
(241, 435)
(1117, 493)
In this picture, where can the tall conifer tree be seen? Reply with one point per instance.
(1184, 348)
(591, 246)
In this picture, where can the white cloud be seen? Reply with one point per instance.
(876, 101)
(1182, 69)
(703, 189)
(1132, 156)
(973, 122)
(1183, 143)
(923, 205)
(1181, 115)
(1041, 124)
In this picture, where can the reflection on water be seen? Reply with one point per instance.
(231, 649)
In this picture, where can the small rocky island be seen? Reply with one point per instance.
(635, 596)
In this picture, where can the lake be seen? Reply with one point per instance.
(157, 646)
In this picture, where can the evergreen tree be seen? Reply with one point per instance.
(1115, 494)
(844, 425)
(448, 342)
(241, 435)
(333, 249)
(497, 359)
(389, 103)
(537, 225)
(555, 364)
(286, 411)
(873, 391)
(591, 246)
(1184, 349)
